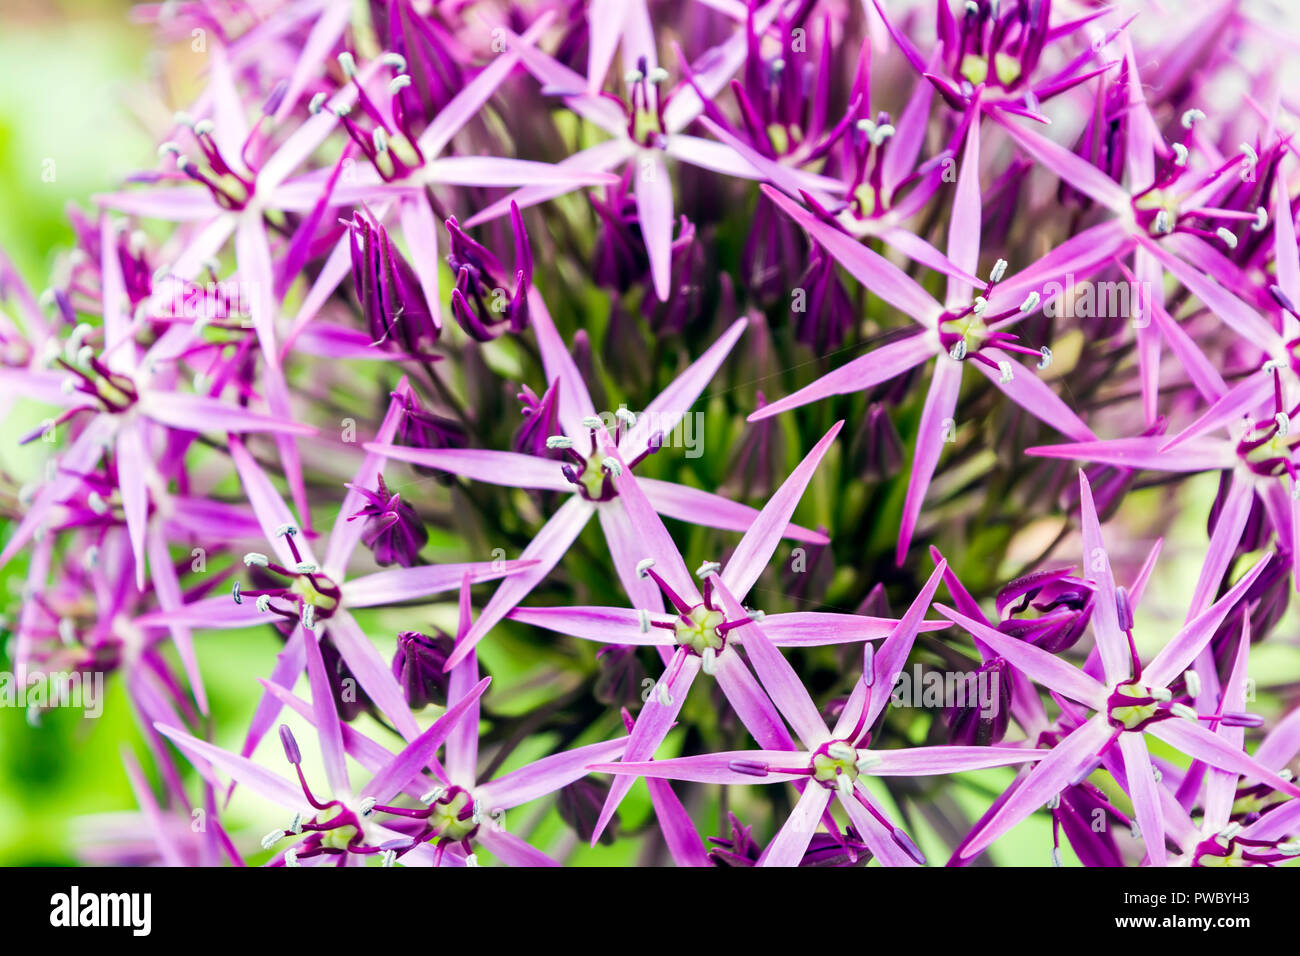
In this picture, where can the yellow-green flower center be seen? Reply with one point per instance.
(699, 631)
(1132, 717)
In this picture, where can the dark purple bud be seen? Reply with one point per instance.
(488, 300)
(579, 806)
(541, 421)
(350, 699)
(392, 302)
(737, 849)
(393, 531)
(982, 710)
(877, 449)
(619, 676)
(421, 428)
(418, 666)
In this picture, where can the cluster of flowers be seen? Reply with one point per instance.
(715, 212)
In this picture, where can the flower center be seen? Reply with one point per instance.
(698, 630)
(1132, 706)
(835, 765)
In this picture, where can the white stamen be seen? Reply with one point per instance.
(612, 465)
(664, 695)
(97, 503)
(559, 441)
(1193, 682)
(1162, 693)
(881, 133)
(291, 857)
(367, 806)
(264, 603)
(305, 567)
(295, 825)
(1230, 831)
(286, 529)
(1261, 219)
(844, 784)
(398, 83)
(1182, 710)
(841, 751)
(979, 305)
(707, 568)
(256, 559)
(348, 63)
(999, 270)
(633, 77)
(1224, 233)
(1007, 373)
(1191, 117)
(388, 858)
(380, 140)
(272, 838)
(1046, 360)
(643, 617)
(867, 759)
(395, 60)
(1162, 222)
(658, 75)
(239, 598)
(1056, 856)
(168, 148)
(1031, 302)
(471, 861)
(308, 616)
(644, 565)
(1290, 848)
(1180, 155)
(67, 631)
(1054, 802)
(626, 417)
(204, 127)
(591, 421)
(181, 118)
(1252, 157)
(317, 102)
(709, 661)
(958, 350)
(434, 795)
(1283, 421)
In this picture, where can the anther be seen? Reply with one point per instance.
(643, 618)
(264, 603)
(1226, 234)
(1180, 155)
(239, 599)
(317, 103)
(1006, 373)
(434, 795)
(1182, 710)
(707, 568)
(367, 806)
(1261, 219)
(289, 530)
(1191, 117)
(999, 270)
(1031, 302)
(559, 441)
(592, 422)
(395, 60)
(256, 559)
(612, 465)
(272, 838)
(348, 63)
(665, 696)
(644, 565)
(1046, 359)
(1192, 681)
